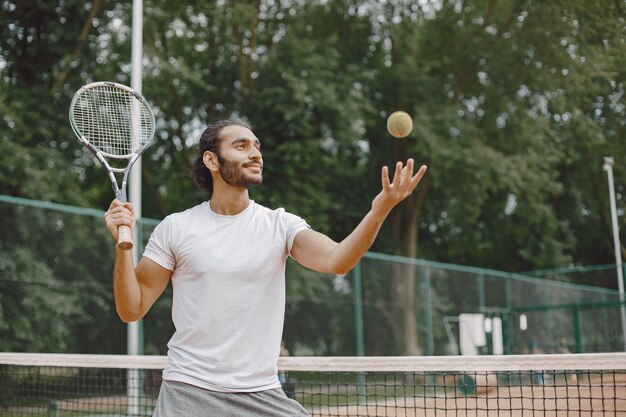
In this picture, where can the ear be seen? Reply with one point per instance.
(210, 160)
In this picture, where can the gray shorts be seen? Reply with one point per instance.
(177, 399)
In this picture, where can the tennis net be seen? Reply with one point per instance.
(58, 385)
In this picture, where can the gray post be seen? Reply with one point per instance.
(134, 330)
(608, 167)
(357, 293)
(428, 311)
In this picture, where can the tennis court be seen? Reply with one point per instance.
(591, 398)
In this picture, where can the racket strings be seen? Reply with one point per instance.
(113, 120)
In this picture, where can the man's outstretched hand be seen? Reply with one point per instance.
(404, 182)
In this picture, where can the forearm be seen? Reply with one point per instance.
(126, 288)
(318, 252)
(349, 251)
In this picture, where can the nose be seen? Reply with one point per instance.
(255, 154)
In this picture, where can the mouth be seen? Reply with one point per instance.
(256, 167)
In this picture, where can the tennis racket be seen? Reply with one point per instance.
(115, 123)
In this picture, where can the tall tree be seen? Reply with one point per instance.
(483, 81)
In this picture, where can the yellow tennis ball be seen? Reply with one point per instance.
(399, 124)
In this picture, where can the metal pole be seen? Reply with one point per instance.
(135, 329)
(608, 167)
(428, 310)
(357, 293)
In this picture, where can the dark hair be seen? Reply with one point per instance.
(210, 141)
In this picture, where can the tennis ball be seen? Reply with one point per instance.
(399, 124)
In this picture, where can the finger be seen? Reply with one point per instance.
(409, 165)
(114, 222)
(407, 171)
(398, 173)
(115, 203)
(130, 208)
(119, 213)
(418, 176)
(119, 209)
(385, 178)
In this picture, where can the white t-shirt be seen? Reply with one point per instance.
(229, 294)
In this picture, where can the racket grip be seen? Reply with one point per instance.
(124, 238)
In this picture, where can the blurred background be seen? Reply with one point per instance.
(514, 104)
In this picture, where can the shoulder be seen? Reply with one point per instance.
(179, 220)
(176, 226)
(184, 216)
(277, 213)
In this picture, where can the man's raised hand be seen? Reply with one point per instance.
(403, 184)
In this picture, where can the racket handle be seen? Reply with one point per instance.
(124, 238)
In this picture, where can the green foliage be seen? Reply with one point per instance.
(515, 104)
(50, 286)
(319, 313)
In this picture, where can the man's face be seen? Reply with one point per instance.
(239, 157)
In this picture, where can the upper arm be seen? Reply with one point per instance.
(153, 279)
(313, 250)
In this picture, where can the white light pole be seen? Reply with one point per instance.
(135, 329)
(608, 167)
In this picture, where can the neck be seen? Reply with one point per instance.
(229, 201)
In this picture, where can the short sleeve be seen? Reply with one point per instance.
(294, 225)
(159, 247)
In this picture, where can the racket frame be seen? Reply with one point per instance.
(119, 191)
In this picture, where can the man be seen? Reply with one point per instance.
(226, 260)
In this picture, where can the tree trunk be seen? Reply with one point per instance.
(402, 314)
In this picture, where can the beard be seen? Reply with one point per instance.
(233, 174)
